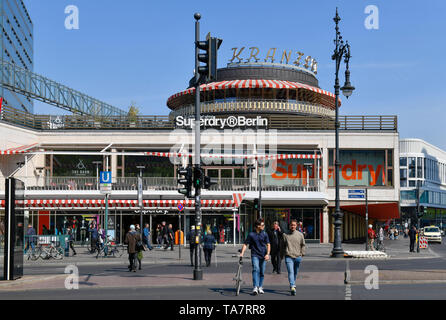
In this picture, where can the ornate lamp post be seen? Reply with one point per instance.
(342, 51)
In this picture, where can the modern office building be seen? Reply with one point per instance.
(423, 170)
(16, 46)
(255, 111)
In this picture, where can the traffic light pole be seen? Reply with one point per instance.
(418, 216)
(198, 272)
(260, 188)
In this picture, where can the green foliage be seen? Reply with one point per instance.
(133, 112)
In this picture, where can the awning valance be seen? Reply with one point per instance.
(254, 83)
(18, 150)
(378, 211)
(126, 204)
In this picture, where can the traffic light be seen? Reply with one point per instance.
(208, 72)
(198, 178)
(186, 181)
(256, 204)
(208, 182)
(422, 212)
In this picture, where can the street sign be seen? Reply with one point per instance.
(356, 194)
(180, 207)
(140, 203)
(105, 177)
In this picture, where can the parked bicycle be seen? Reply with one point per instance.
(238, 276)
(109, 249)
(33, 254)
(50, 251)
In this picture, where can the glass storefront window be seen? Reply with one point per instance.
(310, 218)
(75, 166)
(403, 162)
(419, 167)
(154, 166)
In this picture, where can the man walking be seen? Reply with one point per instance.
(293, 249)
(31, 238)
(258, 242)
(131, 238)
(71, 239)
(165, 234)
(146, 237)
(192, 246)
(275, 237)
(412, 238)
(170, 238)
(93, 236)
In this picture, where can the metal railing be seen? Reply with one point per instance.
(43, 89)
(256, 105)
(275, 121)
(166, 184)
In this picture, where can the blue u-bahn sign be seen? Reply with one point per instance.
(105, 177)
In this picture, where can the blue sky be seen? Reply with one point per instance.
(143, 51)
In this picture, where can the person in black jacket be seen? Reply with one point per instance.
(208, 246)
(192, 246)
(71, 239)
(412, 237)
(275, 238)
(170, 238)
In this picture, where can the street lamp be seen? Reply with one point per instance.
(342, 51)
(140, 198)
(97, 163)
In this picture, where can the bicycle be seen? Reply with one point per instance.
(50, 252)
(109, 249)
(238, 277)
(33, 254)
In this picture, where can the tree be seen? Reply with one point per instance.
(133, 112)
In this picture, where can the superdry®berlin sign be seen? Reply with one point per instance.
(231, 122)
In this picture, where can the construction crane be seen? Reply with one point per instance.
(37, 87)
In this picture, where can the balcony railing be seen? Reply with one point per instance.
(256, 105)
(275, 121)
(164, 184)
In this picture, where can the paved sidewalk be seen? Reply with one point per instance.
(396, 249)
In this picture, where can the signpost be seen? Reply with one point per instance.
(105, 179)
(180, 209)
(362, 194)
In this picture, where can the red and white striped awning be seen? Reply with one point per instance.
(126, 204)
(256, 83)
(18, 150)
(242, 156)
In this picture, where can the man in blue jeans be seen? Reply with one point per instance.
(258, 242)
(293, 249)
(146, 237)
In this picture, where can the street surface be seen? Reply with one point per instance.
(164, 276)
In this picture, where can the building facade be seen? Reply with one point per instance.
(267, 132)
(423, 172)
(16, 46)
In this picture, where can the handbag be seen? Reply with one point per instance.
(139, 246)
